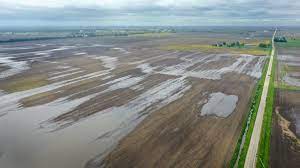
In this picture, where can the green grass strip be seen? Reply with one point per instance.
(265, 138)
(255, 99)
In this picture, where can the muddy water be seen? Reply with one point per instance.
(291, 80)
(30, 138)
(291, 77)
(89, 137)
(245, 64)
(285, 139)
(24, 144)
(15, 67)
(27, 143)
(219, 104)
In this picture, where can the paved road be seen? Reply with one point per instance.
(254, 142)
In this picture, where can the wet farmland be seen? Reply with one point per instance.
(285, 140)
(120, 102)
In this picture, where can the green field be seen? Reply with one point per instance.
(290, 43)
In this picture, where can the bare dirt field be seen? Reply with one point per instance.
(285, 142)
(285, 139)
(122, 102)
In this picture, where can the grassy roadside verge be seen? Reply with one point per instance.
(248, 124)
(263, 154)
(255, 99)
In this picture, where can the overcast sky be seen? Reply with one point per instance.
(149, 12)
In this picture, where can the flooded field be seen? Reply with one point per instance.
(220, 105)
(121, 102)
(285, 140)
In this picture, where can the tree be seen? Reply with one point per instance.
(280, 39)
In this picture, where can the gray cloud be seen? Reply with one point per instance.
(151, 12)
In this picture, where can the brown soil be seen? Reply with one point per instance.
(172, 134)
(176, 136)
(285, 143)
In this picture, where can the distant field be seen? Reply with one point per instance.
(162, 34)
(209, 48)
(290, 43)
(285, 141)
(147, 100)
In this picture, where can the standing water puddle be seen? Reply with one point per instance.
(219, 104)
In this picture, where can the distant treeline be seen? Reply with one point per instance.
(86, 33)
(280, 39)
(225, 44)
(30, 39)
(264, 45)
(239, 44)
